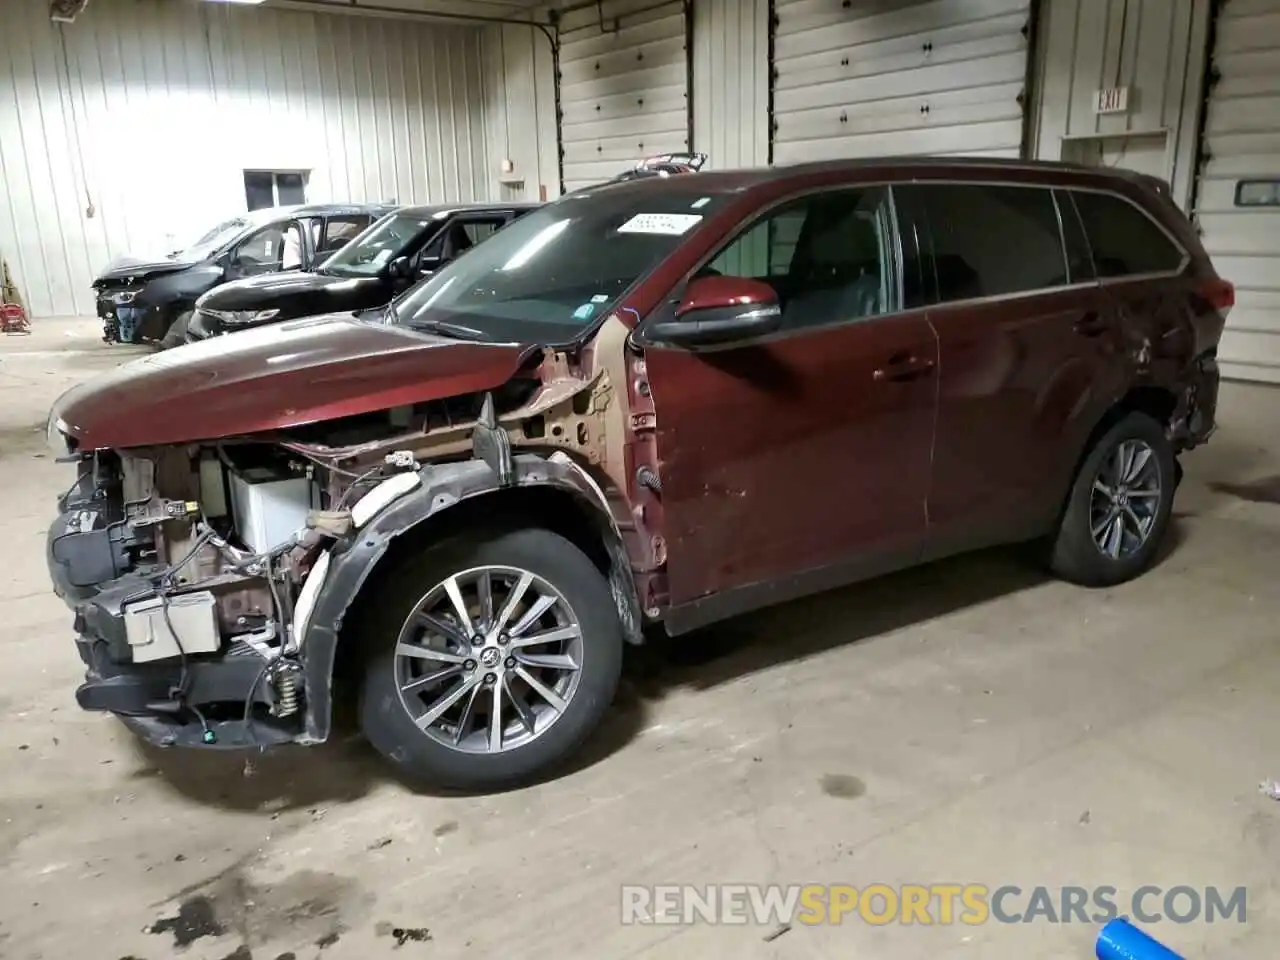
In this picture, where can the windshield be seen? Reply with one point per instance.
(547, 276)
(208, 244)
(367, 254)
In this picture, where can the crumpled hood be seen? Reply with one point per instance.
(122, 268)
(274, 377)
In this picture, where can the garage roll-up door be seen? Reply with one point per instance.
(898, 77)
(624, 86)
(1238, 195)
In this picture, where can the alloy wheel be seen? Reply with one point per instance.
(1125, 500)
(489, 659)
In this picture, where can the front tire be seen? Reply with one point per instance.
(489, 661)
(1119, 506)
(176, 335)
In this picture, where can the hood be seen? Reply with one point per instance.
(274, 377)
(122, 268)
(274, 289)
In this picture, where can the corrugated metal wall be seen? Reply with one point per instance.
(1241, 144)
(731, 82)
(1156, 49)
(624, 86)
(899, 77)
(159, 107)
(520, 116)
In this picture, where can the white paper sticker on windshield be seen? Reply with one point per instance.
(668, 224)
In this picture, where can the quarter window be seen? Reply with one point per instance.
(827, 256)
(1125, 241)
(990, 240)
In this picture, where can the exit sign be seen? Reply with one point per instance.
(1112, 100)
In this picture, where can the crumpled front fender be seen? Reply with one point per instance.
(354, 560)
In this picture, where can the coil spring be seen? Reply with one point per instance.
(287, 690)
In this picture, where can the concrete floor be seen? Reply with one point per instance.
(968, 722)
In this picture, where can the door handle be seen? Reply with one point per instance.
(902, 367)
(1091, 325)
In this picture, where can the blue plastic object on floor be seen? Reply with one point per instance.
(1120, 940)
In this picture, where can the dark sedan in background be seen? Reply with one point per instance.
(150, 299)
(388, 258)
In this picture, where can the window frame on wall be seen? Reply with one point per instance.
(282, 195)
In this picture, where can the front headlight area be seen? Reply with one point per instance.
(241, 318)
(56, 437)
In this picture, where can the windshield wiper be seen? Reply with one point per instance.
(445, 328)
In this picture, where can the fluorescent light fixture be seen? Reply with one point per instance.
(252, 3)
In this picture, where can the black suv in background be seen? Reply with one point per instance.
(388, 258)
(141, 300)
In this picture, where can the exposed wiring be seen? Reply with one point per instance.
(321, 463)
(249, 727)
(357, 482)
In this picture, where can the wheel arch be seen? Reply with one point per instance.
(1159, 403)
(455, 500)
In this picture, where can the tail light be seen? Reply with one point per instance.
(1220, 294)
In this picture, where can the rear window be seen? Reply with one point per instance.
(1125, 241)
(990, 240)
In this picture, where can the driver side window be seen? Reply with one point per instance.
(827, 255)
(275, 247)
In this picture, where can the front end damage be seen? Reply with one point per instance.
(209, 581)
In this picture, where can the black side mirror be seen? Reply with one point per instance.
(399, 269)
(716, 311)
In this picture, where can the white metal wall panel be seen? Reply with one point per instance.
(731, 82)
(139, 139)
(1242, 142)
(520, 114)
(624, 86)
(1154, 48)
(899, 77)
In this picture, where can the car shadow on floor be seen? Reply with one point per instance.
(347, 768)
(1265, 490)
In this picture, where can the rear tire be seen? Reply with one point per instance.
(442, 731)
(1118, 510)
(176, 335)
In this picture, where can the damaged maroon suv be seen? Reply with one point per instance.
(665, 401)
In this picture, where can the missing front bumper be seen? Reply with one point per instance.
(225, 705)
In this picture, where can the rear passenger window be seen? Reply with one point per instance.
(1125, 240)
(992, 240)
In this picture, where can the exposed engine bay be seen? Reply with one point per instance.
(200, 551)
(194, 569)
